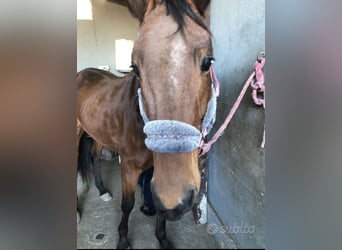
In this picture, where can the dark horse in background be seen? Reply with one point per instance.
(171, 60)
(89, 155)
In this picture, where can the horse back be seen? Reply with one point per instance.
(90, 76)
(108, 110)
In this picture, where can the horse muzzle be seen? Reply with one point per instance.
(179, 210)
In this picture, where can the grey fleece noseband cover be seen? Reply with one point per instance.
(170, 136)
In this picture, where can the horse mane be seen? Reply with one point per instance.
(178, 10)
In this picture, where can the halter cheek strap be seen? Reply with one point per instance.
(171, 136)
(141, 107)
(210, 116)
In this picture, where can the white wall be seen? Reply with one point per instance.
(96, 38)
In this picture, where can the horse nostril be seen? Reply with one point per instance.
(156, 201)
(191, 195)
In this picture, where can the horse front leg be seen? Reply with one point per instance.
(161, 233)
(129, 180)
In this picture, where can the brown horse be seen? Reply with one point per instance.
(160, 106)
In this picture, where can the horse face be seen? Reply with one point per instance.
(171, 57)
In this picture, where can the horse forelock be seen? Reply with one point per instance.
(179, 10)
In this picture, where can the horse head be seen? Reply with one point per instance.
(171, 58)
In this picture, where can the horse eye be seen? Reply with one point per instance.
(135, 70)
(206, 63)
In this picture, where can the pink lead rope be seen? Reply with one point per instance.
(256, 81)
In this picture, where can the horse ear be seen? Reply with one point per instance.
(137, 8)
(201, 6)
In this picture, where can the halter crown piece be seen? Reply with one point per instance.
(171, 136)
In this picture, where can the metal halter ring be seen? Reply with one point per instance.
(261, 55)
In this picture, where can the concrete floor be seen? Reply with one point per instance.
(99, 220)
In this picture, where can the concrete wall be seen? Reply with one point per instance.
(236, 162)
(96, 38)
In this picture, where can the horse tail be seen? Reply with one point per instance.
(85, 157)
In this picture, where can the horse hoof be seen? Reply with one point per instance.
(106, 197)
(78, 217)
(123, 244)
(167, 245)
